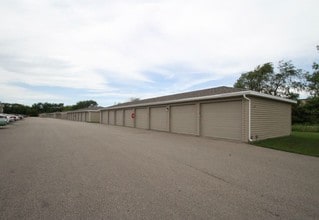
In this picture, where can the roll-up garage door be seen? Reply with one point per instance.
(105, 117)
(183, 119)
(86, 116)
(141, 118)
(119, 117)
(159, 118)
(111, 117)
(221, 120)
(83, 116)
(128, 120)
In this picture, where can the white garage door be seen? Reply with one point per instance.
(119, 117)
(141, 118)
(183, 119)
(105, 117)
(129, 121)
(221, 120)
(111, 117)
(159, 119)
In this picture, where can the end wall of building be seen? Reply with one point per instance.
(269, 118)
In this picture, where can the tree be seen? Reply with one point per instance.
(257, 79)
(84, 104)
(134, 99)
(16, 109)
(286, 82)
(47, 107)
(313, 81)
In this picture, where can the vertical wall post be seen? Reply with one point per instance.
(149, 117)
(168, 108)
(134, 119)
(198, 118)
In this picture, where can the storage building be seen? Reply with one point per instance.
(223, 112)
(85, 115)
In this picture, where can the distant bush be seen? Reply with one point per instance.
(305, 128)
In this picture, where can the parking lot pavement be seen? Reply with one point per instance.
(56, 169)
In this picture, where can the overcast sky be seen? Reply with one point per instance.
(66, 51)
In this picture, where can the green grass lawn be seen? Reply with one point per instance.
(305, 128)
(306, 143)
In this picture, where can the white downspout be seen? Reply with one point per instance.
(249, 118)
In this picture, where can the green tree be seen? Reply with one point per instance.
(313, 81)
(16, 109)
(84, 104)
(47, 107)
(256, 80)
(286, 82)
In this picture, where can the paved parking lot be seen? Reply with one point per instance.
(55, 169)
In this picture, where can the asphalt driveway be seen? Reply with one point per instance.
(56, 169)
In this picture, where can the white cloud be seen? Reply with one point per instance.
(88, 44)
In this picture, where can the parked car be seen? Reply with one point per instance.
(12, 118)
(3, 120)
(6, 117)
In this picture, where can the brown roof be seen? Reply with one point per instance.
(193, 94)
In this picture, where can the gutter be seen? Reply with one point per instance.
(249, 117)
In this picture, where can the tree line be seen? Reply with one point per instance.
(287, 81)
(38, 108)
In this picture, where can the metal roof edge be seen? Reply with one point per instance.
(277, 98)
(81, 111)
(224, 95)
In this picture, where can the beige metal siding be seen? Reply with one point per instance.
(159, 118)
(104, 117)
(269, 118)
(222, 120)
(128, 120)
(119, 117)
(86, 116)
(112, 117)
(64, 115)
(95, 117)
(141, 117)
(184, 119)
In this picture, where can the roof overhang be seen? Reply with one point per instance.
(82, 111)
(202, 98)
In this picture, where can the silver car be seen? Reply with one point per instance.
(3, 120)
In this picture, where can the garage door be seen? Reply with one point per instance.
(141, 118)
(111, 117)
(159, 119)
(83, 116)
(105, 117)
(221, 120)
(86, 116)
(128, 120)
(183, 119)
(119, 117)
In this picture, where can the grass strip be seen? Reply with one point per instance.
(306, 143)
